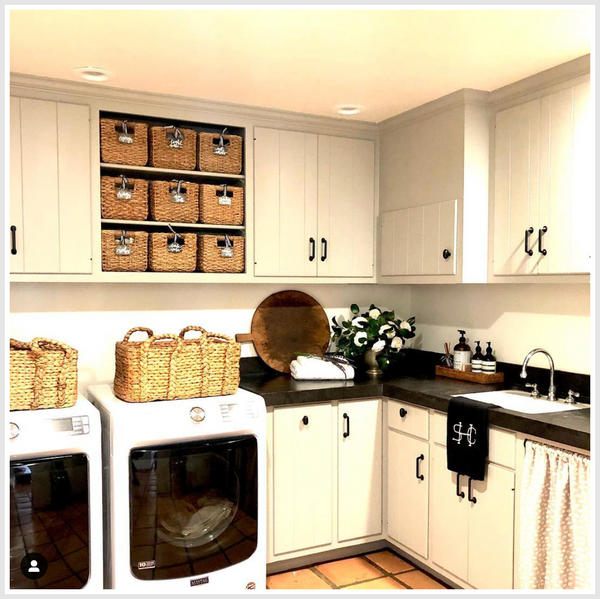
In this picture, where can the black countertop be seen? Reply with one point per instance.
(571, 427)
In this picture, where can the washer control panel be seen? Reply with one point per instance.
(78, 425)
(231, 412)
(197, 414)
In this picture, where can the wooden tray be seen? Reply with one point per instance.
(472, 377)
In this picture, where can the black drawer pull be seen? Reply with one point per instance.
(13, 240)
(528, 232)
(459, 493)
(541, 232)
(471, 498)
(313, 249)
(446, 254)
(347, 423)
(305, 420)
(419, 476)
(403, 412)
(324, 249)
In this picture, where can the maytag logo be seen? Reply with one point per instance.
(198, 581)
(148, 565)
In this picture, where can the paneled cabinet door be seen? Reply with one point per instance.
(449, 518)
(285, 203)
(359, 469)
(16, 187)
(491, 530)
(408, 491)
(346, 207)
(303, 478)
(55, 193)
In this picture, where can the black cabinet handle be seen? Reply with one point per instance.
(541, 233)
(13, 240)
(313, 249)
(403, 412)
(305, 420)
(446, 254)
(471, 498)
(419, 476)
(347, 424)
(323, 249)
(459, 493)
(528, 232)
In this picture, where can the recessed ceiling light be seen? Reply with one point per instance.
(349, 109)
(94, 74)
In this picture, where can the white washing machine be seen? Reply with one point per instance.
(56, 498)
(185, 496)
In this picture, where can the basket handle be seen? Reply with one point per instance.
(145, 348)
(130, 332)
(14, 344)
(38, 346)
(192, 328)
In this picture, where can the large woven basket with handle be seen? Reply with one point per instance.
(43, 374)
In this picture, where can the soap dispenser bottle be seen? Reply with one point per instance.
(477, 358)
(462, 353)
(488, 364)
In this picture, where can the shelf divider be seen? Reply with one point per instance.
(152, 223)
(169, 171)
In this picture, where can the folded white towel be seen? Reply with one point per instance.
(311, 368)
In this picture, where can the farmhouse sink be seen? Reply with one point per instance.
(521, 401)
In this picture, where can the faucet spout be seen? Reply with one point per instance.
(539, 350)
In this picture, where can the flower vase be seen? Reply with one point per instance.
(371, 361)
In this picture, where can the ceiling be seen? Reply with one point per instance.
(306, 61)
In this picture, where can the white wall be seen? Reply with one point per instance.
(515, 318)
(91, 318)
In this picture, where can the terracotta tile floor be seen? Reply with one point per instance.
(380, 570)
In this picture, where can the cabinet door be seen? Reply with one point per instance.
(302, 478)
(285, 203)
(346, 183)
(408, 494)
(394, 243)
(449, 533)
(56, 192)
(359, 469)
(15, 236)
(491, 530)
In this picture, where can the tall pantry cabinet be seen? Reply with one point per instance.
(314, 205)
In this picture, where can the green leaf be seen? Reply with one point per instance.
(354, 309)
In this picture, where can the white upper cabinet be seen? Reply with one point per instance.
(313, 205)
(50, 203)
(543, 189)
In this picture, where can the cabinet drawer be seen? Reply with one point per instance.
(502, 443)
(414, 422)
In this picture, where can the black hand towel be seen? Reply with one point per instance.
(467, 437)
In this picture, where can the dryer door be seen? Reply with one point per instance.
(49, 517)
(193, 507)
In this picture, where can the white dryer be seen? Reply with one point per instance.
(56, 498)
(185, 497)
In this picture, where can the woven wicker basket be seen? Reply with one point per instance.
(173, 147)
(167, 204)
(163, 258)
(43, 374)
(208, 160)
(124, 198)
(116, 259)
(123, 144)
(222, 373)
(212, 256)
(221, 204)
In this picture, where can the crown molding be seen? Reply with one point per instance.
(94, 91)
(461, 97)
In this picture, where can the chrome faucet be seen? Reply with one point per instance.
(552, 388)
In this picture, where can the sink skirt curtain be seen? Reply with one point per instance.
(555, 519)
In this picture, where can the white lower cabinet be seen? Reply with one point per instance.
(359, 474)
(408, 491)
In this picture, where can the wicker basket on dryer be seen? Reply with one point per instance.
(43, 374)
(173, 147)
(221, 204)
(122, 142)
(220, 153)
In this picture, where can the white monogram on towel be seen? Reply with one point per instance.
(471, 434)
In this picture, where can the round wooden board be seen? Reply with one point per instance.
(288, 323)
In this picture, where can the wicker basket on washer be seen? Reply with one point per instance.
(215, 255)
(124, 198)
(221, 204)
(168, 254)
(122, 142)
(43, 374)
(174, 201)
(124, 251)
(222, 373)
(173, 147)
(220, 153)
